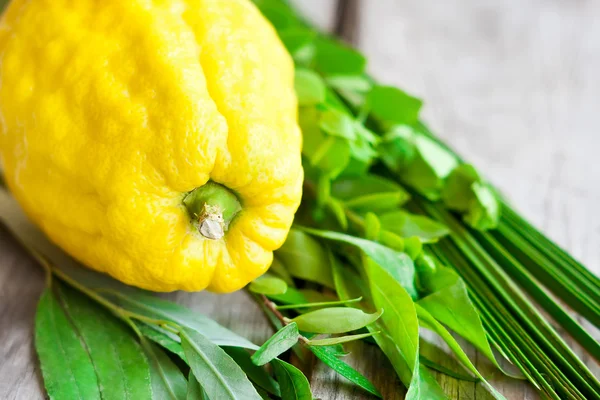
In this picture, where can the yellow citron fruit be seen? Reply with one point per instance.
(154, 140)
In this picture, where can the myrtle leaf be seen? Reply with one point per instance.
(406, 225)
(278, 269)
(392, 106)
(305, 258)
(369, 193)
(334, 58)
(399, 265)
(335, 320)
(291, 296)
(337, 123)
(268, 284)
(309, 87)
(280, 342)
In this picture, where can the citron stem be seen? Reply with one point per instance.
(212, 207)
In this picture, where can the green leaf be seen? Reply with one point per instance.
(337, 123)
(66, 366)
(216, 371)
(279, 14)
(406, 225)
(399, 339)
(167, 380)
(339, 339)
(445, 370)
(354, 83)
(337, 209)
(335, 320)
(329, 154)
(397, 149)
(413, 246)
(320, 304)
(156, 308)
(332, 156)
(484, 212)
(310, 88)
(429, 322)
(431, 166)
(424, 386)
(297, 41)
(348, 284)
(400, 316)
(119, 361)
(257, 374)
(315, 296)
(399, 265)
(450, 304)
(363, 153)
(164, 338)
(329, 356)
(278, 269)
(268, 284)
(292, 296)
(195, 391)
(418, 161)
(305, 258)
(369, 193)
(280, 342)
(457, 194)
(334, 58)
(465, 191)
(372, 226)
(293, 383)
(392, 106)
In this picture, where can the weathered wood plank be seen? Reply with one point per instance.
(512, 85)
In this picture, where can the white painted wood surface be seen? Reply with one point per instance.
(512, 85)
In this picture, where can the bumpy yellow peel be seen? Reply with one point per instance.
(112, 111)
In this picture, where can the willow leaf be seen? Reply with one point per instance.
(340, 339)
(428, 321)
(167, 380)
(258, 375)
(66, 366)
(329, 356)
(194, 390)
(398, 265)
(156, 308)
(163, 338)
(293, 383)
(119, 361)
(217, 372)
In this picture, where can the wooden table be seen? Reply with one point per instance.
(512, 85)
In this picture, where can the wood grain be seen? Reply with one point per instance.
(512, 85)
